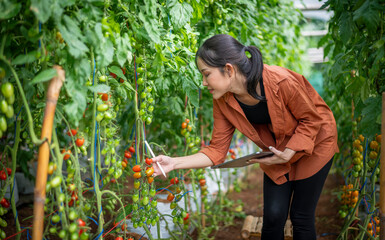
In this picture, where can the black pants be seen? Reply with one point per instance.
(300, 197)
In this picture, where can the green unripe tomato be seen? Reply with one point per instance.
(102, 107)
(11, 99)
(55, 218)
(3, 124)
(9, 112)
(55, 182)
(72, 227)
(72, 215)
(7, 89)
(62, 234)
(3, 106)
(103, 78)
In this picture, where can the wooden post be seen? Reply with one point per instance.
(43, 157)
(382, 172)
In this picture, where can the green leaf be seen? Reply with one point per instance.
(128, 86)
(117, 71)
(99, 88)
(121, 92)
(42, 9)
(9, 9)
(150, 25)
(76, 107)
(346, 26)
(180, 13)
(72, 35)
(369, 14)
(192, 91)
(25, 58)
(44, 76)
(123, 49)
(124, 212)
(105, 53)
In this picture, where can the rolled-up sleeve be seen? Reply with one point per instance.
(305, 112)
(221, 137)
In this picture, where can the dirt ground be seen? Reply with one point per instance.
(327, 221)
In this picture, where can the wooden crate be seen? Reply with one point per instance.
(253, 227)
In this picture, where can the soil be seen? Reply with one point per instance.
(328, 223)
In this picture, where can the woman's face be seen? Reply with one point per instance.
(217, 82)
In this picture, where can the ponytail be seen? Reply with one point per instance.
(253, 72)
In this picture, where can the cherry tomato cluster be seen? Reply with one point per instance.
(357, 156)
(112, 161)
(349, 198)
(193, 141)
(146, 86)
(7, 98)
(77, 228)
(373, 227)
(144, 201)
(374, 152)
(232, 153)
(5, 173)
(3, 223)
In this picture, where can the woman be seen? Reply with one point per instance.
(279, 111)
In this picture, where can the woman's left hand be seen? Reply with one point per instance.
(278, 157)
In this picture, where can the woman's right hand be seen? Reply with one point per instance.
(167, 163)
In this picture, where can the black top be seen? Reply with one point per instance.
(258, 113)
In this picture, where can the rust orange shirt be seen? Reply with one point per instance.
(300, 120)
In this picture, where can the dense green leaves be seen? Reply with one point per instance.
(355, 45)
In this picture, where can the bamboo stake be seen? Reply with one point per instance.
(382, 172)
(43, 157)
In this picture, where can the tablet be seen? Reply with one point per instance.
(243, 161)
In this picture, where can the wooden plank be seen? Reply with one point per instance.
(253, 227)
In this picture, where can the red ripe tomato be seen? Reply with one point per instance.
(3, 175)
(202, 182)
(131, 149)
(231, 150)
(136, 168)
(3, 201)
(72, 132)
(148, 161)
(187, 120)
(79, 142)
(9, 171)
(125, 160)
(121, 80)
(127, 155)
(113, 180)
(170, 197)
(187, 216)
(104, 96)
(174, 180)
(118, 238)
(184, 125)
(6, 203)
(124, 70)
(66, 156)
(113, 75)
(81, 223)
(130, 239)
(233, 156)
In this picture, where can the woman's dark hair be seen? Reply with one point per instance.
(221, 49)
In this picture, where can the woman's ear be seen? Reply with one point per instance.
(229, 69)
